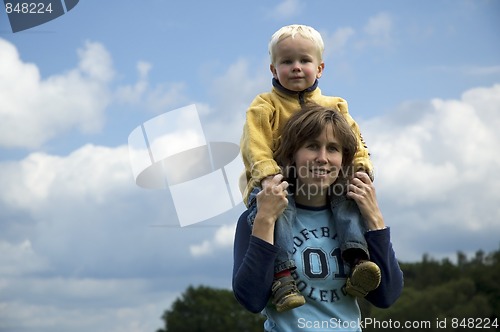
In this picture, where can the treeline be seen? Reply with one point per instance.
(444, 296)
(205, 309)
(439, 295)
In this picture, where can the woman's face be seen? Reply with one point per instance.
(318, 162)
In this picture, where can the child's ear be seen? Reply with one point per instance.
(273, 70)
(321, 67)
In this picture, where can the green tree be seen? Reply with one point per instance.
(434, 291)
(205, 309)
(455, 299)
(442, 290)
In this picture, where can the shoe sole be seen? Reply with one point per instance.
(363, 280)
(290, 302)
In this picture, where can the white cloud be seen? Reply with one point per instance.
(233, 92)
(486, 101)
(241, 82)
(88, 257)
(19, 259)
(134, 93)
(165, 96)
(59, 304)
(442, 149)
(377, 31)
(41, 180)
(287, 8)
(40, 109)
(380, 28)
(86, 205)
(223, 238)
(159, 98)
(433, 163)
(336, 43)
(95, 62)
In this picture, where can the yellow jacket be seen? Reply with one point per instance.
(265, 119)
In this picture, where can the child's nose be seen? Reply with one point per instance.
(296, 65)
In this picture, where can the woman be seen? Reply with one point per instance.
(316, 151)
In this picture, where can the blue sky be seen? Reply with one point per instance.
(83, 248)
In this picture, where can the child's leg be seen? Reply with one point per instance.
(285, 294)
(282, 233)
(365, 275)
(252, 206)
(350, 229)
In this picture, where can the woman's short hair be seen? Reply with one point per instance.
(308, 123)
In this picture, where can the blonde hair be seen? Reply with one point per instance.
(290, 31)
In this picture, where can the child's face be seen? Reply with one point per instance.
(318, 162)
(297, 63)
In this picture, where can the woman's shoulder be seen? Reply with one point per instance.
(242, 226)
(243, 217)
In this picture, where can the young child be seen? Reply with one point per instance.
(296, 53)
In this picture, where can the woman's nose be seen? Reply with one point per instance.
(321, 156)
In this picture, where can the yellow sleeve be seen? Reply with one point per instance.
(256, 144)
(361, 160)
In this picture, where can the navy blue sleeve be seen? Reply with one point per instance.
(382, 254)
(253, 268)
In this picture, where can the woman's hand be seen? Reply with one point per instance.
(362, 191)
(271, 202)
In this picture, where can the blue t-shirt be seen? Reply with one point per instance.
(320, 275)
(321, 278)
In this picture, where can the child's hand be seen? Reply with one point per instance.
(271, 202)
(272, 199)
(266, 182)
(362, 191)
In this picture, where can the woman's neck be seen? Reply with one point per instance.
(317, 200)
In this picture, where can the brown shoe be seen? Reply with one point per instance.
(285, 294)
(365, 277)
